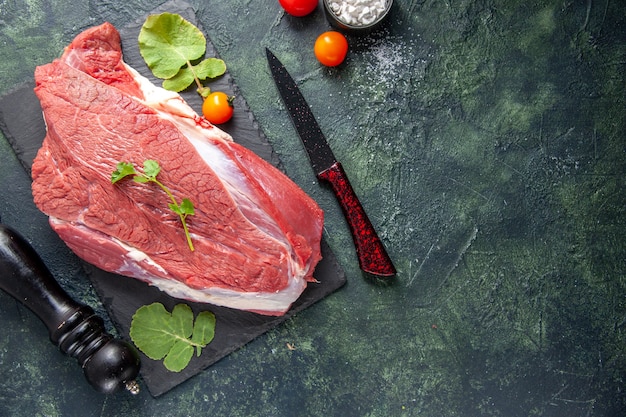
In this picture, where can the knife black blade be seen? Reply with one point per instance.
(373, 257)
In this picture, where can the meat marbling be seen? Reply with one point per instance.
(256, 233)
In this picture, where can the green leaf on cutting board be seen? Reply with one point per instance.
(208, 68)
(173, 336)
(172, 46)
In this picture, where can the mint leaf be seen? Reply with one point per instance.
(171, 337)
(167, 42)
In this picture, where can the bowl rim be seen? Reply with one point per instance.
(380, 18)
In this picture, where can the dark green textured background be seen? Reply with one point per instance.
(486, 140)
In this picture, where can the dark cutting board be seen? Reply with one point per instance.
(22, 124)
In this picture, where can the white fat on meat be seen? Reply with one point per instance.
(258, 232)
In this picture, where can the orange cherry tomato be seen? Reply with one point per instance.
(217, 108)
(331, 48)
(298, 8)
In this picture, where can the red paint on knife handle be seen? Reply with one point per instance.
(373, 257)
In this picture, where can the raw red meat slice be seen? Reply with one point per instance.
(256, 233)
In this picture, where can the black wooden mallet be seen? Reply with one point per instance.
(109, 364)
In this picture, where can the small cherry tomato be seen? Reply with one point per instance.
(217, 108)
(331, 48)
(298, 8)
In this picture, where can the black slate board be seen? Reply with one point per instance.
(22, 124)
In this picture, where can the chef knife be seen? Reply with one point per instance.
(373, 257)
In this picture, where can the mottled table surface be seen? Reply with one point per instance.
(487, 143)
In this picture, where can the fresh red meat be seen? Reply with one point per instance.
(256, 233)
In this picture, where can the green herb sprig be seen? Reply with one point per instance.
(151, 169)
(172, 46)
(171, 336)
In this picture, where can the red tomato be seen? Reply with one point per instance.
(298, 8)
(217, 108)
(331, 48)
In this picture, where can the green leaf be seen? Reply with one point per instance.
(186, 207)
(123, 170)
(210, 68)
(151, 331)
(167, 42)
(151, 168)
(203, 329)
(171, 337)
(178, 357)
(142, 179)
(182, 320)
(180, 81)
(175, 208)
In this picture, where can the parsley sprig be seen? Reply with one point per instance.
(151, 169)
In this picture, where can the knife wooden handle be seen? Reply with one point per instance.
(373, 257)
